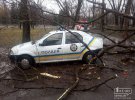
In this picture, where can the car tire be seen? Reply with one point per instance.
(25, 62)
(87, 57)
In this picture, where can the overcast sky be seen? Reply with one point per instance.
(52, 5)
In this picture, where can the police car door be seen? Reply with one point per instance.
(72, 46)
(51, 48)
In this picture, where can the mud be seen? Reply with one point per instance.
(13, 84)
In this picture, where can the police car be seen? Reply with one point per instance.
(56, 46)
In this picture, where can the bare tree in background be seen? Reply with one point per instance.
(4, 13)
(102, 19)
(79, 5)
(74, 7)
(14, 13)
(127, 12)
(117, 5)
(133, 12)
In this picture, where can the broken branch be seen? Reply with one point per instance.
(64, 95)
(98, 85)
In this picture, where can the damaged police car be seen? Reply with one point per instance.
(56, 46)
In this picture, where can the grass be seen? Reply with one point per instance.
(13, 35)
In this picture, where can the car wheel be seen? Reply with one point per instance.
(25, 62)
(88, 57)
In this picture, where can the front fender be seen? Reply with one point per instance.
(28, 53)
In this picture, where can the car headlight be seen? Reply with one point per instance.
(11, 52)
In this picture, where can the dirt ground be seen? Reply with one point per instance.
(13, 84)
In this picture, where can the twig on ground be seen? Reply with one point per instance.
(103, 66)
(65, 94)
(98, 85)
(9, 92)
(121, 52)
(109, 87)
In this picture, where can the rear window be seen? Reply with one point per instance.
(70, 38)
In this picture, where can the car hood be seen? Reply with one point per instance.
(23, 46)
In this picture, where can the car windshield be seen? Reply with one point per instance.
(34, 41)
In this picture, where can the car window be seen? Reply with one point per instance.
(70, 38)
(55, 39)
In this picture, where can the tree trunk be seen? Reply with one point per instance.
(79, 5)
(121, 22)
(127, 12)
(134, 20)
(102, 19)
(26, 23)
(93, 13)
(116, 19)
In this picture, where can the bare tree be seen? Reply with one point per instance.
(133, 12)
(127, 12)
(25, 20)
(117, 5)
(73, 7)
(102, 19)
(4, 13)
(79, 5)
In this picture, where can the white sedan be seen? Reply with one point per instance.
(56, 46)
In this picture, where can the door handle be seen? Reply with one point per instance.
(59, 48)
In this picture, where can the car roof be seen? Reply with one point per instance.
(59, 31)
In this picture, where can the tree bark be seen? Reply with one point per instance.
(116, 19)
(134, 20)
(93, 13)
(102, 19)
(121, 22)
(77, 12)
(25, 19)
